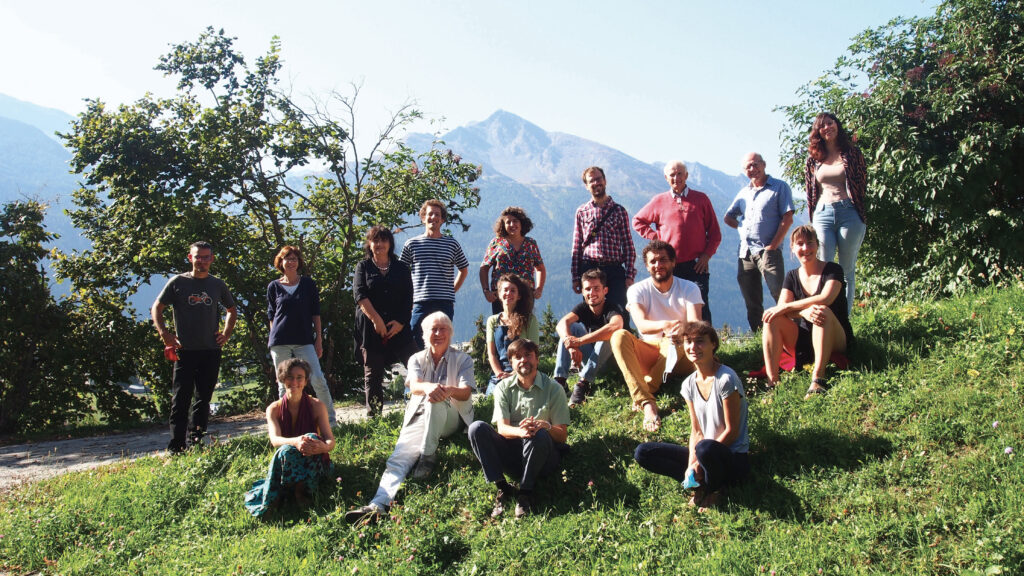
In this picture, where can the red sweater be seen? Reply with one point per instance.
(691, 227)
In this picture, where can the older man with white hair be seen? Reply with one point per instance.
(684, 218)
(441, 384)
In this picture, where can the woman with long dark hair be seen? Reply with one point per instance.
(836, 181)
(511, 251)
(382, 290)
(516, 320)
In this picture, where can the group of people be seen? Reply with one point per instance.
(405, 306)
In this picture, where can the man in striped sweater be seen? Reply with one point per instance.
(433, 259)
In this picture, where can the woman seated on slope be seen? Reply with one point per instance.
(716, 455)
(515, 321)
(299, 428)
(811, 317)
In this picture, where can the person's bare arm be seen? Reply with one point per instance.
(157, 313)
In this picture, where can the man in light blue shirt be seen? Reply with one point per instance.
(763, 213)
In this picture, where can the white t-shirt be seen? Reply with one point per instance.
(668, 306)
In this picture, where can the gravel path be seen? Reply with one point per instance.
(23, 463)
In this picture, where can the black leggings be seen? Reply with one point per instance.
(721, 465)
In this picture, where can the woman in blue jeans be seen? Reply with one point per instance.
(293, 307)
(836, 181)
(716, 454)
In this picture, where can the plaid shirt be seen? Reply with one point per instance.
(613, 244)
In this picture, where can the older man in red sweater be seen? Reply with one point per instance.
(684, 218)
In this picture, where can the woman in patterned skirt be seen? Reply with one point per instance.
(298, 427)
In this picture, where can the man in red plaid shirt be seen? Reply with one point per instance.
(602, 239)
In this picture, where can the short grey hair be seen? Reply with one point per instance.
(673, 164)
(437, 317)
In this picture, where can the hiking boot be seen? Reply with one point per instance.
(523, 506)
(579, 393)
(424, 466)
(563, 383)
(176, 446)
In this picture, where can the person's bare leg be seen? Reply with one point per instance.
(780, 333)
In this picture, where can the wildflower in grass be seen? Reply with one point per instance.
(1008, 451)
(590, 484)
(995, 424)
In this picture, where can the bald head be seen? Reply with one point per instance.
(753, 167)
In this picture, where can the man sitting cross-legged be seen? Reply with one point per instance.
(584, 333)
(660, 306)
(533, 420)
(442, 384)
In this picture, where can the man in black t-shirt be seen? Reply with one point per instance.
(195, 298)
(584, 333)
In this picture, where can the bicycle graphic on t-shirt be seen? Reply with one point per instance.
(197, 299)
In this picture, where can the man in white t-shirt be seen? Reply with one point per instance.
(660, 306)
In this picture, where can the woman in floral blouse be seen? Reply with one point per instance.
(512, 252)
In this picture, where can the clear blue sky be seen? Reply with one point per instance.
(657, 80)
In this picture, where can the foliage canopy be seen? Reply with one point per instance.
(937, 106)
(220, 161)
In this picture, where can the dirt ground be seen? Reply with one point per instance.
(23, 463)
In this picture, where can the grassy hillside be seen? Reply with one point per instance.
(906, 467)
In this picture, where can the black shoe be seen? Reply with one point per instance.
(563, 383)
(368, 514)
(579, 393)
(196, 439)
(523, 506)
(500, 499)
(176, 446)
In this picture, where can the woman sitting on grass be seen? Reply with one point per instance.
(812, 317)
(717, 452)
(299, 428)
(514, 322)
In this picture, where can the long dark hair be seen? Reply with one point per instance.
(816, 145)
(520, 315)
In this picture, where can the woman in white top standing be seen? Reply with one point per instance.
(716, 454)
(835, 178)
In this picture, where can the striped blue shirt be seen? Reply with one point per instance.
(433, 262)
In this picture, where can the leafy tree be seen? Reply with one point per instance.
(937, 107)
(60, 359)
(218, 162)
(548, 332)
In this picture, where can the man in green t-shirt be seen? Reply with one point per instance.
(532, 417)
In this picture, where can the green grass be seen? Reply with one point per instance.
(898, 470)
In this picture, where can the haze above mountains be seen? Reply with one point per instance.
(523, 165)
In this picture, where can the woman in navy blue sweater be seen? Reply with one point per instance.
(293, 306)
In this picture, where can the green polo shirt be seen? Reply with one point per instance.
(545, 400)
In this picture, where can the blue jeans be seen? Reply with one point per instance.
(306, 352)
(594, 356)
(840, 228)
(424, 308)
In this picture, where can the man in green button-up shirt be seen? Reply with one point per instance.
(532, 415)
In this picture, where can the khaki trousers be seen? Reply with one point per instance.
(643, 364)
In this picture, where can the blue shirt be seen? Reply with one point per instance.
(292, 314)
(759, 212)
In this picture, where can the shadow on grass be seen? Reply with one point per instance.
(776, 458)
